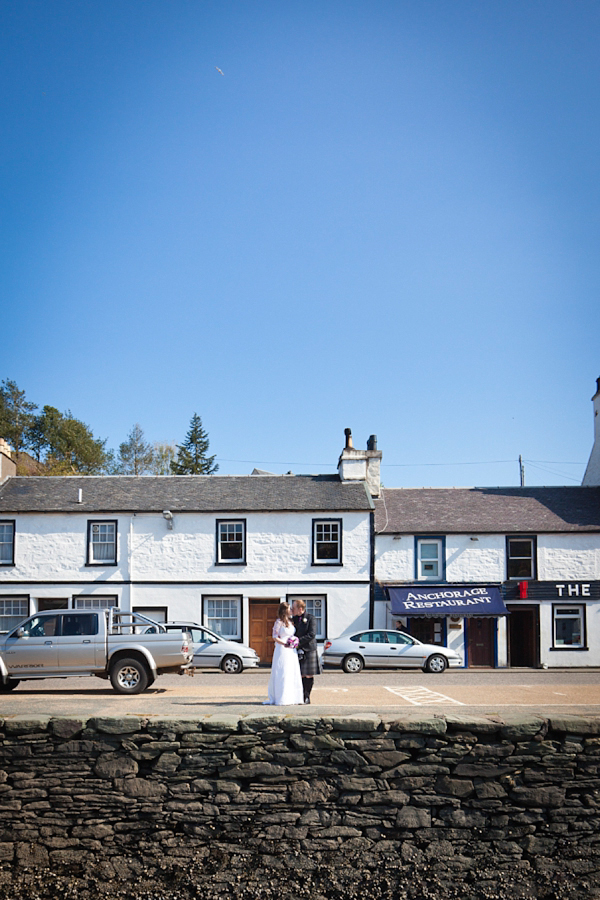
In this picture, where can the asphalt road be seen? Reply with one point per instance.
(383, 691)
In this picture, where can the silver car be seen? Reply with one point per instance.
(211, 651)
(379, 647)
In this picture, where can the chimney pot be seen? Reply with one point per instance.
(348, 433)
(372, 443)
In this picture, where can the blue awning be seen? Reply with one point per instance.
(446, 600)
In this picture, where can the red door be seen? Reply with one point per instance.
(262, 618)
(481, 640)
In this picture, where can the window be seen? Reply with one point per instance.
(102, 543)
(430, 559)
(41, 626)
(75, 624)
(520, 558)
(569, 627)
(12, 611)
(156, 613)
(231, 542)
(370, 637)
(394, 637)
(315, 606)
(7, 543)
(223, 616)
(327, 542)
(84, 602)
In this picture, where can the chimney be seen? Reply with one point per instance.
(361, 465)
(7, 464)
(592, 472)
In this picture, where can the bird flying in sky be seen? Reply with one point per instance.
(219, 70)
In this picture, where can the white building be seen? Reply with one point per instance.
(220, 550)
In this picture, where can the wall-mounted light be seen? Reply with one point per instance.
(397, 537)
(474, 538)
(169, 517)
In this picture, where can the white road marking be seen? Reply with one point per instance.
(421, 696)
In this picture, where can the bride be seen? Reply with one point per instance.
(285, 683)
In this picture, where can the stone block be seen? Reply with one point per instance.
(117, 724)
(66, 727)
(358, 723)
(455, 787)
(522, 726)
(424, 724)
(31, 855)
(26, 724)
(410, 817)
(141, 788)
(538, 797)
(575, 724)
(110, 765)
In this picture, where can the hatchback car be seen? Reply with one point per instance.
(211, 651)
(379, 648)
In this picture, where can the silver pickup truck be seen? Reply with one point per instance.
(102, 642)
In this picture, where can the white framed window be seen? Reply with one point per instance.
(569, 627)
(223, 615)
(12, 611)
(327, 542)
(102, 543)
(315, 606)
(7, 543)
(91, 602)
(520, 558)
(430, 559)
(231, 542)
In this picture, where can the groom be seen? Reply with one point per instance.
(306, 632)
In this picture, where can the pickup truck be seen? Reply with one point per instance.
(106, 643)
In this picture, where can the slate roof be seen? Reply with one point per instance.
(487, 510)
(183, 493)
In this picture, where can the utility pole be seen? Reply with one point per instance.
(521, 471)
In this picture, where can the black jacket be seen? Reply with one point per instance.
(306, 631)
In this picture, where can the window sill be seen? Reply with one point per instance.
(235, 562)
(568, 649)
(338, 564)
(101, 565)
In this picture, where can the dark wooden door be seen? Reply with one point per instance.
(262, 618)
(481, 640)
(523, 636)
(427, 629)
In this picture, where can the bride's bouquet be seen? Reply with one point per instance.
(292, 642)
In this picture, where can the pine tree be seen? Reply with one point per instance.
(191, 455)
(135, 455)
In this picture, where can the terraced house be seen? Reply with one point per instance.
(505, 576)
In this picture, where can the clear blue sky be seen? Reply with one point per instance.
(383, 215)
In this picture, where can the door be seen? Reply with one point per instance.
(428, 630)
(262, 618)
(36, 651)
(402, 652)
(481, 630)
(78, 642)
(208, 649)
(523, 636)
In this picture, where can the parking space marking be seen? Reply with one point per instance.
(422, 696)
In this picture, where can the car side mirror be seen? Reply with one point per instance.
(20, 632)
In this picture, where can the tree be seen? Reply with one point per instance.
(164, 455)
(68, 444)
(16, 416)
(191, 455)
(136, 457)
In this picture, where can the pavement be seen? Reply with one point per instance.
(488, 692)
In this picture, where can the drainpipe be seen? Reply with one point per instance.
(372, 570)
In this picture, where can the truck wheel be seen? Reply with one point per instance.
(352, 663)
(436, 663)
(129, 676)
(10, 685)
(232, 665)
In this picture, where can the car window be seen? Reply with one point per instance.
(370, 637)
(79, 624)
(396, 637)
(200, 636)
(40, 626)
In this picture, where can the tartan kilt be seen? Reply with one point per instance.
(310, 665)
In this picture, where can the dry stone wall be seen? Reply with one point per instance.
(295, 806)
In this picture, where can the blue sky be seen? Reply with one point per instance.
(383, 215)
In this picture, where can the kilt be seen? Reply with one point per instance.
(309, 664)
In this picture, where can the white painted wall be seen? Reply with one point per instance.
(279, 546)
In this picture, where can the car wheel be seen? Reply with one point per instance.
(129, 676)
(436, 663)
(10, 685)
(232, 665)
(352, 664)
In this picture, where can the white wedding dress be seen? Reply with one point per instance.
(285, 683)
